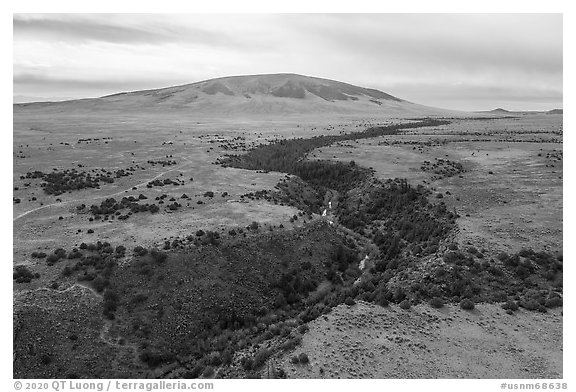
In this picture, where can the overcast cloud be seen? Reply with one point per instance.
(457, 61)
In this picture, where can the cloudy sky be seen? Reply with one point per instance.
(457, 61)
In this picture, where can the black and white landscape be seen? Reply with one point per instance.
(376, 196)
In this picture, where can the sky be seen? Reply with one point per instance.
(454, 61)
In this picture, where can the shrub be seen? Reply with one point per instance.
(140, 251)
(530, 304)
(22, 274)
(303, 358)
(110, 303)
(279, 373)
(452, 257)
(453, 246)
(294, 360)
(260, 358)
(467, 304)
(381, 299)
(195, 372)
(100, 283)
(503, 257)
(436, 302)
(52, 259)
(67, 271)
(61, 253)
(510, 305)
(45, 359)
(155, 358)
(208, 372)
(291, 343)
(211, 238)
(553, 302)
(247, 363)
(158, 256)
(405, 304)
(139, 298)
(472, 250)
(349, 301)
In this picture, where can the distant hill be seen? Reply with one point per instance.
(270, 94)
(504, 112)
(28, 99)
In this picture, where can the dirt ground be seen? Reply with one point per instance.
(369, 341)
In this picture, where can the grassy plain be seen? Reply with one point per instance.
(509, 197)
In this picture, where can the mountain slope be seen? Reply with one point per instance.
(273, 94)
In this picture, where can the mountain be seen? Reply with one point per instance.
(271, 94)
(555, 111)
(499, 111)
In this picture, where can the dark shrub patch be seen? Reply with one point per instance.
(23, 275)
